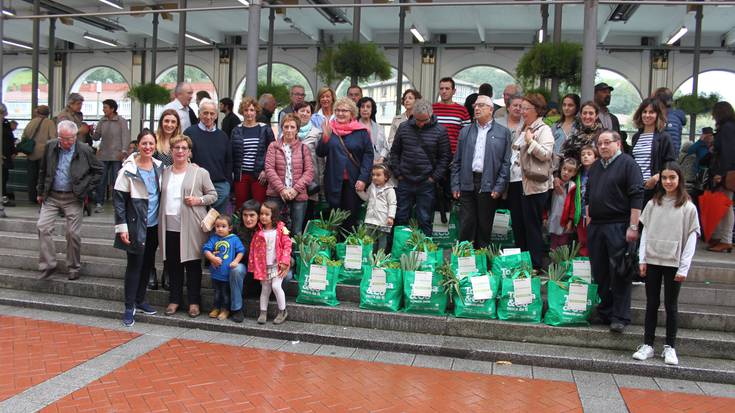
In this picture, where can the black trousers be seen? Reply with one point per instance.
(655, 275)
(139, 268)
(477, 212)
(607, 242)
(532, 207)
(6, 176)
(176, 270)
(349, 201)
(33, 179)
(515, 201)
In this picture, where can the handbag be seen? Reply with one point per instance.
(313, 186)
(207, 222)
(27, 146)
(532, 168)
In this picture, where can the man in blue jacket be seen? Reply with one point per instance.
(419, 157)
(480, 173)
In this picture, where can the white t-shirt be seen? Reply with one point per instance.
(270, 246)
(173, 201)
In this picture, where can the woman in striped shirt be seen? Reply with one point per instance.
(651, 145)
(250, 141)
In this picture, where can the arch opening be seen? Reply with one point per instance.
(17, 95)
(282, 74)
(98, 84)
(382, 91)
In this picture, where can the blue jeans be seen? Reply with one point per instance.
(221, 294)
(420, 195)
(297, 212)
(223, 195)
(110, 169)
(237, 276)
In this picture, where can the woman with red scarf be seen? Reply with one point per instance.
(349, 151)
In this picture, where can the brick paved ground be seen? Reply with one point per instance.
(194, 376)
(650, 401)
(32, 351)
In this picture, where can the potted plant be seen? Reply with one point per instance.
(279, 91)
(351, 59)
(150, 94)
(546, 61)
(696, 105)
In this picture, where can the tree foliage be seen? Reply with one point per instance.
(150, 93)
(548, 60)
(354, 60)
(279, 91)
(696, 105)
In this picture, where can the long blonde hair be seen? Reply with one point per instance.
(161, 140)
(322, 91)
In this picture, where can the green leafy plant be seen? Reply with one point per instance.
(557, 273)
(308, 249)
(413, 223)
(564, 254)
(322, 260)
(361, 235)
(420, 242)
(279, 91)
(410, 261)
(327, 241)
(150, 94)
(380, 259)
(462, 249)
(450, 282)
(354, 60)
(697, 105)
(548, 60)
(335, 219)
(490, 252)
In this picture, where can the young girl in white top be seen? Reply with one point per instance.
(668, 242)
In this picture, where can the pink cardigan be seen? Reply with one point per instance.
(258, 248)
(275, 169)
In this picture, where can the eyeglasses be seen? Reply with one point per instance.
(180, 148)
(527, 108)
(481, 105)
(343, 111)
(301, 95)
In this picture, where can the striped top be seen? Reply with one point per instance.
(642, 154)
(453, 117)
(250, 148)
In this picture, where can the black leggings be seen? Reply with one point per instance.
(176, 270)
(139, 268)
(655, 274)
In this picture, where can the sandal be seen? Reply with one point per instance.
(194, 310)
(171, 309)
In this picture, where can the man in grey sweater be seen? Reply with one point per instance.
(114, 134)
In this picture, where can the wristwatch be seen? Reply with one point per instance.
(633, 227)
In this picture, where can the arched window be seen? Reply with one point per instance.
(282, 74)
(467, 81)
(17, 95)
(625, 98)
(198, 79)
(382, 91)
(99, 84)
(721, 82)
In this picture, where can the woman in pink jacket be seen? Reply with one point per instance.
(289, 171)
(270, 259)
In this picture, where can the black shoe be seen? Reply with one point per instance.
(617, 327)
(9, 203)
(237, 316)
(73, 276)
(153, 280)
(47, 273)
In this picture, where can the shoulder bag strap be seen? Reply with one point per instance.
(33, 135)
(349, 154)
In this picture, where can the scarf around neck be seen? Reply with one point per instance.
(344, 129)
(304, 130)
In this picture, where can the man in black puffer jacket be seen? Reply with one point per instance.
(419, 157)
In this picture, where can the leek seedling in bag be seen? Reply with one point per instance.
(333, 221)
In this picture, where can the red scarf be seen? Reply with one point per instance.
(344, 129)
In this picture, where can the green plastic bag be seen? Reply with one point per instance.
(476, 261)
(502, 232)
(443, 234)
(423, 292)
(505, 265)
(511, 308)
(580, 267)
(381, 289)
(575, 312)
(401, 234)
(467, 306)
(348, 275)
(313, 229)
(318, 285)
(430, 259)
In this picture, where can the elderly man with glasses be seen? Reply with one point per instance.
(69, 172)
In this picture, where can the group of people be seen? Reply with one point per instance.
(576, 178)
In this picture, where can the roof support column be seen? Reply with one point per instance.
(181, 53)
(34, 55)
(401, 40)
(695, 67)
(356, 17)
(2, 35)
(557, 40)
(589, 49)
(271, 30)
(251, 68)
(51, 59)
(154, 52)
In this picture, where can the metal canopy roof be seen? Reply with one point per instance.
(462, 24)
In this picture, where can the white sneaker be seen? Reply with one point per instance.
(644, 352)
(669, 356)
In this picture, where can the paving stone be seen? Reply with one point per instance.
(550, 373)
(162, 331)
(335, 351)
(232, 339)
(717, 389)
(603, 405)
(636, 382)
(513, 370)
(434, 362)
(15, 405)
(395, 358)
(476, 366)
(301, 347)
(364, 354)
(682, 386)
(265, 343)
(596, 385)
(197, 334)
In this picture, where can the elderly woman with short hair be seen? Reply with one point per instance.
(41, 129)
(349, 151)
(249, 143)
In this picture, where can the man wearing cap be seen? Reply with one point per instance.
(602, 98)
(480, 172)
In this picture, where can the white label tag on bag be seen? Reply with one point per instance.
(377, 281)
(522, 294)
(422, 284)
(481, 288)
(317, 277)
(422, 256)
(439, 226)
(582, 269)
(465, 266)
(353, 257)
(577, 298)
(501, 224)
(511, 251)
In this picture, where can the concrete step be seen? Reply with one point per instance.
(690, 342)
(546, 355)
(91, 227)
(94, 247)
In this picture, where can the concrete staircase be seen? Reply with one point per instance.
(705, 345)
